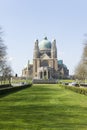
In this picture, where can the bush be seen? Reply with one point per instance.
(5, 86)
(11, 89)
(77, 89)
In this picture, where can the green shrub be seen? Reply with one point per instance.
(77, 89)
(5, 86)
(11, 89)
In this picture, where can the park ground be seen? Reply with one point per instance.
(43, 107)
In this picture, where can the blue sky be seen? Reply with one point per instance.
(23, 21)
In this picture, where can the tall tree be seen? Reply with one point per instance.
(2, 52)
(84, 56)
(5, 69)
(81, 69)
(7, 73)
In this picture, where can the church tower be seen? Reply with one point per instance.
(36, 50)
(53, 49)
(36, 61)
(54, 55)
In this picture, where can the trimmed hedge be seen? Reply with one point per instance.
(35, 81)
(83, 84)
(5, 85)
(77, 89)
(11, 89)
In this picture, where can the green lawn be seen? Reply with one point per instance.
(43, 107)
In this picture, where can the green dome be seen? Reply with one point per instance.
(45, 44)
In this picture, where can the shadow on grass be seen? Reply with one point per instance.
(10, 90)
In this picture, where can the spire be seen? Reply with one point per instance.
(36, 50)
(53, 49)
(28, 62)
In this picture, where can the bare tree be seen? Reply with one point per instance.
(81, 69)
(5, 69)
(84, 56)
(7, 73)
(2, 52)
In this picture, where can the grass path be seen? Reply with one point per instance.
(43, 107)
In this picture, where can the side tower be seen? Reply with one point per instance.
(54, 55)
(36, 62)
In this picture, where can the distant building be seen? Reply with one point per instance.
(45, 63)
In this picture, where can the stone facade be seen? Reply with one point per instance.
(27, 72)
(45, 62)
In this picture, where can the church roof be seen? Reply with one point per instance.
(45, 44)
(60, 62)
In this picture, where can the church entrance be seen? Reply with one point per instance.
(44, 73)
(48, 75)
(40, 75)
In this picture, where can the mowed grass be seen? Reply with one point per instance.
(43, 107)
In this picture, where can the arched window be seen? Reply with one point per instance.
(48, 74)
(44, 73)
(41, 75)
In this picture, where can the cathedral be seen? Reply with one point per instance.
(45, 63)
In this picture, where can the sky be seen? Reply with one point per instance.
(23, 21)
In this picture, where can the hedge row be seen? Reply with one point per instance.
(83, 84)
(4, 86)
(11, 89)
(77, 89)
